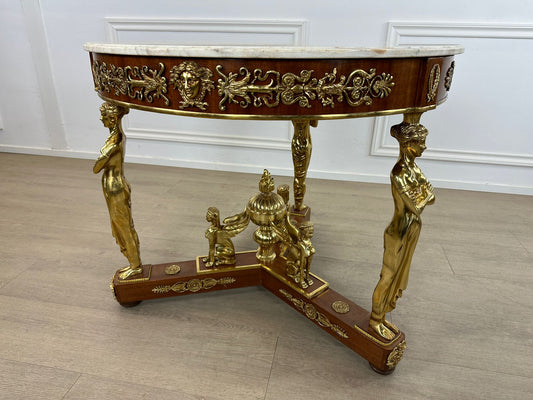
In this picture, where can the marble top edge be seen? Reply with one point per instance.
(273, 51)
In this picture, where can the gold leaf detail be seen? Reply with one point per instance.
(449, 77)
(209, 283)
(172, 269)
(311, 312)
(136, 82)
(396, 355)
(340, 307)
(271, 88)
(225, 281)
(433, 83)
(192, 82)
(194, 285)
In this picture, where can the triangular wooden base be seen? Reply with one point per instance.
(338, 316)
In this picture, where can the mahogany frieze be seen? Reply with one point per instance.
(277, 89)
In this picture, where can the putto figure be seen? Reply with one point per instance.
(411, 192)
(192, 82)
(117, 189)
(221, 249)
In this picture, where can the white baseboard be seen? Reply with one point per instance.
(44, 151)
(254, 169)
(399, 33)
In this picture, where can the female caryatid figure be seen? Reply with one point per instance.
(411, 192)
(117, 189)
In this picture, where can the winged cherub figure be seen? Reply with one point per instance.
(221, 249)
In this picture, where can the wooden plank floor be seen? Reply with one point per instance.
(467, 313)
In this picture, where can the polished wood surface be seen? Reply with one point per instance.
(194, 278)
(410, 77)
(135, 290)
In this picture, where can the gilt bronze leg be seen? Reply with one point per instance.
(117, 191)
(411, 192)
(301, 156)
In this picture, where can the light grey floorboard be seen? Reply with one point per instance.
(89, 387)
(467, 312)
(22, 381)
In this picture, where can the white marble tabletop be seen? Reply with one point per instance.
(270, 52)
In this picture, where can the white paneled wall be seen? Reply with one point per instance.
(207, 135)
(480, 139)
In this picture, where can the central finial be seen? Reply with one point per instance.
(264, 208)
(266, 184)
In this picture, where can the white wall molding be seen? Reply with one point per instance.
(252, 169)
(293, 32)
(199, 137)
(380, 147)
(43, 70)
(398, 32)
(238, 31)
(45, 151)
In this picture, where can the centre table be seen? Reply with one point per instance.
(303, 85)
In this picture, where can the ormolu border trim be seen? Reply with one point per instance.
(408, 110)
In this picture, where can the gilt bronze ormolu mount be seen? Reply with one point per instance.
(281, 263)
(302, 86)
